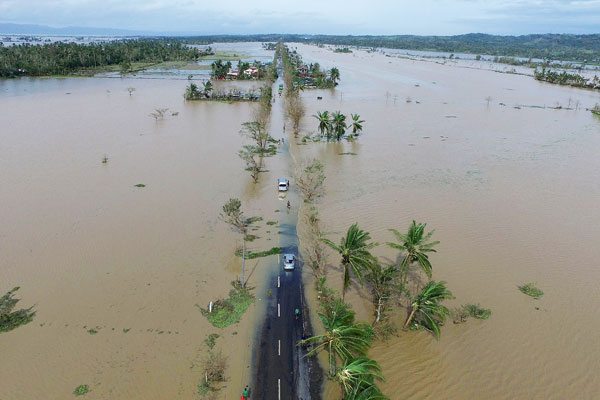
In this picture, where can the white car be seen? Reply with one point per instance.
(283, 184)
(289, 262)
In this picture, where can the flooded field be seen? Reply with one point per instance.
(511, 190)
(512, 194)
(95, 253)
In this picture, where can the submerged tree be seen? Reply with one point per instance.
(334, 75)
(10, 319)
(251, 155)
(233, 215)
(357, 379)
(356, 124)
(257, 132)
(343, 338)
(385, 285)
(311, 180)
(426, 308)
(415, 245)
(324, 122)
(192, 92)
(356, 257)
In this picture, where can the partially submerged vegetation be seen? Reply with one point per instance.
(258, 254)
(565, 78)
(229, 311)
(9, 317)
(462, 313)
(531, 290)
(213, 370)
(69, 58)
(336, 126)
(81, 390)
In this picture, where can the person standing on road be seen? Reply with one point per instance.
(245, 393)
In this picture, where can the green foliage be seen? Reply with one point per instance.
(10, 319)
(81, 390)
(333, 126)
(461, 314)
(211, 340)
(355, 251)
(427, 310)
(233, 215)
(139, 185)
(229, 311)
(92, 331)
(219, 69)
(67, 58)
(271, 222)
(311, 180)
(563, 78)
(531, 290)
(258, 254)
(415, 244)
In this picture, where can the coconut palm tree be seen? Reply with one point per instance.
(208, 88)
(426, 309)
(356, 257)
(324, 122)
(338, 125)
(415, 244)
(357, 375)
(356, 124)
(384, 285)
(334, 75)
(343, 339)
(367, 392)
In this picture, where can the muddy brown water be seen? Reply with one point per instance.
(90, 250)
(512, 193)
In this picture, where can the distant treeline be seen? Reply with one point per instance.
(68, 58)
(583, 48)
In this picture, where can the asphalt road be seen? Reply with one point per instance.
(281, 370)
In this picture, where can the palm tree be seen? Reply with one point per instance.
(384, 285)
(356, 124)
(338, 124)
(367, 392)
(415, 243)
(354, 249)
(334, 75)
(343, 339)
(357, 375)
(426, 308)
(208, 87)
(324, 122)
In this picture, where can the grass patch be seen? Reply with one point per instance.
(139, 185)
(226, 312)
(92, 331)
(462, 313)
(250, 238)
(271, 222)
(531, 290)
(125, 330)
(211, 340)
(10, 319)
(257, 254)
(81, 390)
(252, 220)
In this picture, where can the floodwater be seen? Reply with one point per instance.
(513, 194)
(91, 251)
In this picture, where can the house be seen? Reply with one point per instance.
(251, 72)
(232, 74)
(303, 70)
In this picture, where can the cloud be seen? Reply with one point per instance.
(313, 16)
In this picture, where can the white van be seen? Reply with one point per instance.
(283, 184)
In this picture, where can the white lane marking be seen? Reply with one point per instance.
(279, 347)
(279, 388)
(278, 281)
(278, 310)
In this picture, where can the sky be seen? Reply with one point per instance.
(420, 17)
